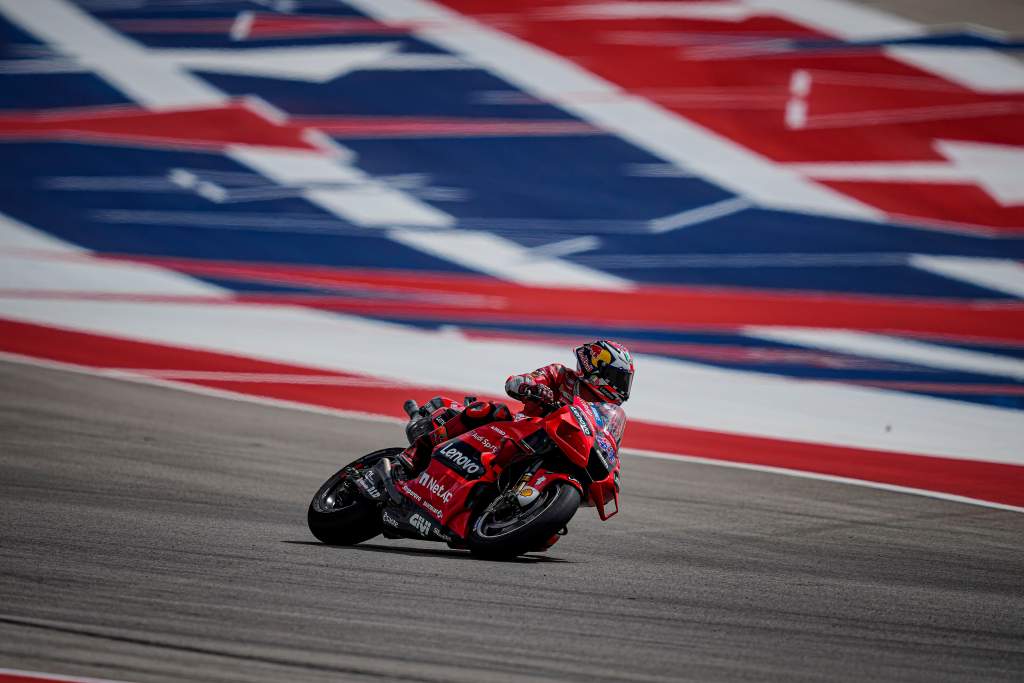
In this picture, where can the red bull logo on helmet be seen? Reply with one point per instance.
(600, 356)
(593, 356)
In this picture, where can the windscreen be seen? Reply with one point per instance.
(610, 418)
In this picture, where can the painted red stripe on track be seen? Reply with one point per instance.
(202, 127)
(993, 482)
(650, 306)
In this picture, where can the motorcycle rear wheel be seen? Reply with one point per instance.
(338, 514)
(493, 538)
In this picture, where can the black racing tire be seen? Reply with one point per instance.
(338, 515)
(495, 540)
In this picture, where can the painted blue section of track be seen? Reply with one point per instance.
(531, 188)
(454, 93)
(89, 218)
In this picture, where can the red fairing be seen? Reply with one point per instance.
(573, 430)
(478, 456)
(461, 463)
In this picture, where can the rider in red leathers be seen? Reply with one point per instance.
(604, 374)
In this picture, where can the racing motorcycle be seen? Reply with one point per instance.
(501, 490)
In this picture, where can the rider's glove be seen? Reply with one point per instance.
(541, 393)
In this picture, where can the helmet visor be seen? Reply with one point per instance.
(617, 378)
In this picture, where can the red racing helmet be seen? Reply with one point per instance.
(606, 368)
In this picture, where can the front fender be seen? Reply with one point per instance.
(543, 478)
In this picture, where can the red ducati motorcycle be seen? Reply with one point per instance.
(500, 490)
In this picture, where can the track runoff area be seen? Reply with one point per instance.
(801, 215)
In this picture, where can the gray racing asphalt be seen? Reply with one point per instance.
(149, 534)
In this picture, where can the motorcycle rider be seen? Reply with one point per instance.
(604, 374)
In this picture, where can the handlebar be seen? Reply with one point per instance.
(548, 408)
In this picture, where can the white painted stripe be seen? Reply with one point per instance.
(506, 259)
(628, 452)
(298, 167)
(15, 235)
(896, 349)
(260, 377)
(573, 245)
(983, 70)
(25, 272)
(1001, 275)
(411, 61)
(365, 202)
(701, 214)
(313, 64)
(149, 80)
(886, 171)
(33, 260)
(666, 391)
(643, 123)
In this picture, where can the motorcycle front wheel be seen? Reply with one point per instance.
(338, 514)
(501, 534)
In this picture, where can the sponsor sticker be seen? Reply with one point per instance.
(606, 448)
(436, 488)
(466, 464)
(412, 494)
(421, 525)
(581, 420)
(484, 441)
(433, 510)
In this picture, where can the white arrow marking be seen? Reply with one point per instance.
(997, 169)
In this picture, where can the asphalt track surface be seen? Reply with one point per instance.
(150, 534)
